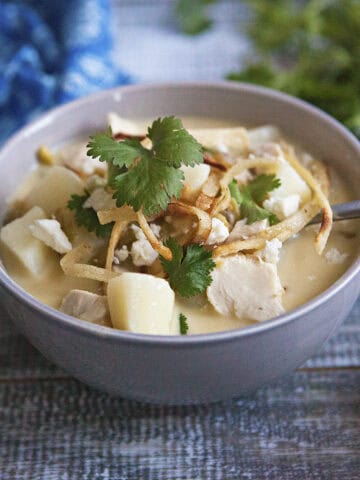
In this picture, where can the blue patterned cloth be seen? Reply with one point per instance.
(52, 52)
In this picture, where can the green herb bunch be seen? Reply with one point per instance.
(310, 49)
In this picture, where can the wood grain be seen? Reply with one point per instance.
(306, 427)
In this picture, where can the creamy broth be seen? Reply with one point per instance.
(303, 273)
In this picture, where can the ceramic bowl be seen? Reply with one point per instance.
(197, 368)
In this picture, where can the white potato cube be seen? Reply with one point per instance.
(195, 177)
(75, 157)
(55, 189)
(33, 254)
(86, 306)
(50, 232)
(141, 303)
(246, 287)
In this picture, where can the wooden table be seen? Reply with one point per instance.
(305, 427)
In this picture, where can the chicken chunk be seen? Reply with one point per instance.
(86, 306)
(246, 287)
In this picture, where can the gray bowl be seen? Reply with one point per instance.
(197, 368)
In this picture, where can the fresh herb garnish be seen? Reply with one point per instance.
(192, 16)
(151, 177)
(87, 217)
(251, 196)
(184, 327)
(309, 49)
(190, 270)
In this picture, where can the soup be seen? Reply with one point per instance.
(207, 230)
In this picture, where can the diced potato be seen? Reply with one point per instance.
(195, 177)
(55, 189)
(141, 303)
(33, 254)
(291, 183)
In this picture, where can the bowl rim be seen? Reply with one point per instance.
(72, 323)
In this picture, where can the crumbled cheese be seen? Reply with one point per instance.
(243, 230)
(156, 229)
(219, 232)
(271, 252)
(283, 207)
(100, 200)
(139, 234)
(142, 253)
(121, 254)
(93, 182)
(49, 231)
(334, 256)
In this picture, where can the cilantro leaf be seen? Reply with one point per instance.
(262, 185)
(121, 154)
(293, 44)
(251, 196)
(87, 217)
(184, 327)
(148, 185)
(192, 16)
(190, 271)
(148, 178)
(174, 145)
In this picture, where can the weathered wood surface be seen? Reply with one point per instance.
(307, 427)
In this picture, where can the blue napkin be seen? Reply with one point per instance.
(52, 52)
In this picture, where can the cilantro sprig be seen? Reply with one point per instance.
(87, 217)
(148, 178)
(184, 326)
(192, 16)
(190, 270)
(251, 196)
(292, 42)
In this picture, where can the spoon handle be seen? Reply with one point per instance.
(342, 211)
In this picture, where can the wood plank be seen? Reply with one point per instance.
(307, 427)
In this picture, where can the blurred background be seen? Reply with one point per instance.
(53, 52)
